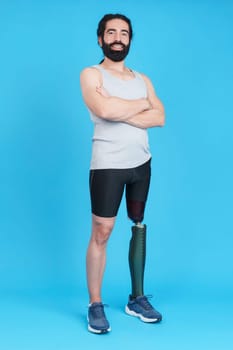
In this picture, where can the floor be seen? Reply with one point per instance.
(51, 321)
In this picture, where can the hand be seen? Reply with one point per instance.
(102, 91)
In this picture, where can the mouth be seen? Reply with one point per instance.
(117, 47)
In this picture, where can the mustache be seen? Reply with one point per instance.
(118, 43)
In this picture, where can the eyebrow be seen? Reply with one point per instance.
(114, 30)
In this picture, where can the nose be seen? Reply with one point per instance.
(118, 36)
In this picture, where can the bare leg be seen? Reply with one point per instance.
(96, 255)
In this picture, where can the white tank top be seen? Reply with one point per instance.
(118, 145)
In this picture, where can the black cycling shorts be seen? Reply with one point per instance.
(107, 187)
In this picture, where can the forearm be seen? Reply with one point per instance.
(147, 119)
(105, 106)
(118, 109)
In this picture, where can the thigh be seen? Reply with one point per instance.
(106, 190)
(137, 189)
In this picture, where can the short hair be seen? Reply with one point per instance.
(110, 16)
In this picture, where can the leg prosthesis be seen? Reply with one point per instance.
(137, 258)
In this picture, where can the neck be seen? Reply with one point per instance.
(117, 66)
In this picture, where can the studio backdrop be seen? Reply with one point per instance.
(185, 48)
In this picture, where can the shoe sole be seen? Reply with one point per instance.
(142, 318)
(98, 331)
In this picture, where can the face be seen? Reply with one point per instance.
(115, 42)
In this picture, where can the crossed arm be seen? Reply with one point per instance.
(142, 113)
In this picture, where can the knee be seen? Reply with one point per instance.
(101, 233)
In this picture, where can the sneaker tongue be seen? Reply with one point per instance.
(146, 303)
(98, 309)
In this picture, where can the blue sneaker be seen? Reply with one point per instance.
(140, 307)
(97, 322)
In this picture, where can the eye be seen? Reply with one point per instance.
(125, 34)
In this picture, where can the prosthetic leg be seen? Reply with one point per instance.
(137, 246)
(137, 259)
(138, 304)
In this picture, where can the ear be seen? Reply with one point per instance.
(100, 41)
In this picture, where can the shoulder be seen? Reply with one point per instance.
(145, 78)
(141, 75)
(92, 70)
(147, 81)
(90, 74)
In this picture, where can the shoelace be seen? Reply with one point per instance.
(98, 310)
(145, 302)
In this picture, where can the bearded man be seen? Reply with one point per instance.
(122, 105)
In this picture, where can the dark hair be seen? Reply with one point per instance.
(108, 17)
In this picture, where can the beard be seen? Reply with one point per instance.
(115, 55)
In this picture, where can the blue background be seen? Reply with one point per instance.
(185, 47)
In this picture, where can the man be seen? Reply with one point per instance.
(122, 105)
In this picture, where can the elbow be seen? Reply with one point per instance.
(104, 112)
(107, 114)
(101, 112)
(159, 118)
(162, 121)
